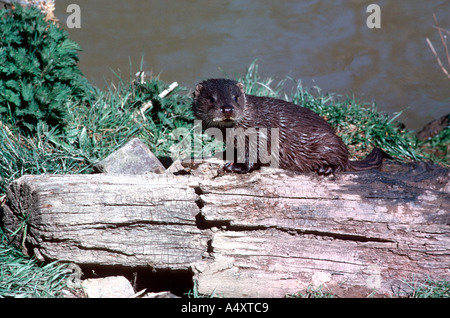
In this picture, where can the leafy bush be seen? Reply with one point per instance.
(38, 71)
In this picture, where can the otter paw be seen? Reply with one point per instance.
(236, 167)
(326, 170)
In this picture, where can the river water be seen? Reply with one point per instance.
(322, 43)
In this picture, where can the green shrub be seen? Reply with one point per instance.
(38, 70)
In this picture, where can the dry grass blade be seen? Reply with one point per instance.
(162, 95)
(444, 43)
(437, 58)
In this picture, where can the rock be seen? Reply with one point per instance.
(108, 287)
(134, 158)
(433, 128)
(164, 294)
(205, 168)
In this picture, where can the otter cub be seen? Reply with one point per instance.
(306, 142)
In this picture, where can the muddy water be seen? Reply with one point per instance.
(324, 43)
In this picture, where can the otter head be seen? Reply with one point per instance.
(219, 102)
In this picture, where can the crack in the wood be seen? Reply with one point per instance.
(138, 223)
(204, 224)
(104, 249)
(77, 244)
(266, 196)
(333, 235)
(373, 196)
(347, 237)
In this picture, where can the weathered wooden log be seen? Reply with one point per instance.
(367, 231)
(268, 233)
(132, 221)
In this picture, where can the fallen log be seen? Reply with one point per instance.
(264, 234)
(131, 221)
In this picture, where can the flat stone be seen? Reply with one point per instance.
(164, 294)
(108, 287)
(134, 158)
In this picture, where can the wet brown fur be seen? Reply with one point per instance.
(306, 141)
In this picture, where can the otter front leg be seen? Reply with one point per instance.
(241, 167)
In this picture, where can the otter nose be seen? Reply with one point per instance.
(227, 109)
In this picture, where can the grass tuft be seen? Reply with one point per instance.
(430, 288)
(22, 277)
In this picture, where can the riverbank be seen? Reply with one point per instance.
(93, 122)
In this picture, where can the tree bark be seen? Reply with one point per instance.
(264, 234)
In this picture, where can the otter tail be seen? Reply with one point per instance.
(373, 161)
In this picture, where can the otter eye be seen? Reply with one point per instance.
(212, 99)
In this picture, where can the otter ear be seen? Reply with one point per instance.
(241, 87)
(198, 88)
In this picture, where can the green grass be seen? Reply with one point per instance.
(313, 292)
(437, 147)
(22, 277)
(430, 288)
